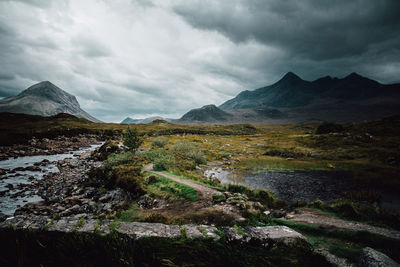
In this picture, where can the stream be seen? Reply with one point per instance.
(17, 184)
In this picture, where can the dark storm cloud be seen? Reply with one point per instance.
(314, 29)
(143, 58)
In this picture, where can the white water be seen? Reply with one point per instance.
(9, 204)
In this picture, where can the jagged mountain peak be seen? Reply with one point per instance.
(354, 75)
(290, 77)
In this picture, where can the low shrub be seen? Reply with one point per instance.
(118, 159)
(182, 147)
(163, 163)
(263, 196)
(129, 178)
(159, 142)
(153, 154)
(197, 156)
(151, 179)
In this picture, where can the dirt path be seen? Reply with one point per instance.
(203, 192)
(316, 217)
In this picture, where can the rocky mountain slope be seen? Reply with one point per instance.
(206, 114)
(44, 99)
(292, 91)
(292, 99)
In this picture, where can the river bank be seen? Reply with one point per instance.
(52, 183)
(46, 146)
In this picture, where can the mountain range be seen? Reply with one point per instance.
(129, 120)
(293, 99)
(44, 99)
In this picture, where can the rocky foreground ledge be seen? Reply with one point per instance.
(73, 241)
(263, 236)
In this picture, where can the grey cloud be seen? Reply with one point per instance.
(318, 30)
(6, 76)
(37, 3)
(6, 91)
(90, 46)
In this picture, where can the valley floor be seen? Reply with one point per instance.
(165, 182)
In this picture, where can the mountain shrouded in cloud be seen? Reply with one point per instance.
(162, 58)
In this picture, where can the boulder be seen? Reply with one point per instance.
(371, 258)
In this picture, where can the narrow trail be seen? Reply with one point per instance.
(319, 218)
(203, 192)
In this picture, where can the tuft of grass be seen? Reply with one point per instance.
(202, 230)
(80, 223)
(97, 227)
(239, 230)
(113, 226)
(220, 233)
(183, 232)
(50, 223)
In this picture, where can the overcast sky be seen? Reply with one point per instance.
(142, 58)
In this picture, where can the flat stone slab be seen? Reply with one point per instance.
(262, 236)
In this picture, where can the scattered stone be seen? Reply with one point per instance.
(33, 168)
(10, 186)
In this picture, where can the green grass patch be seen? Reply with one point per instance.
(170, 189)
